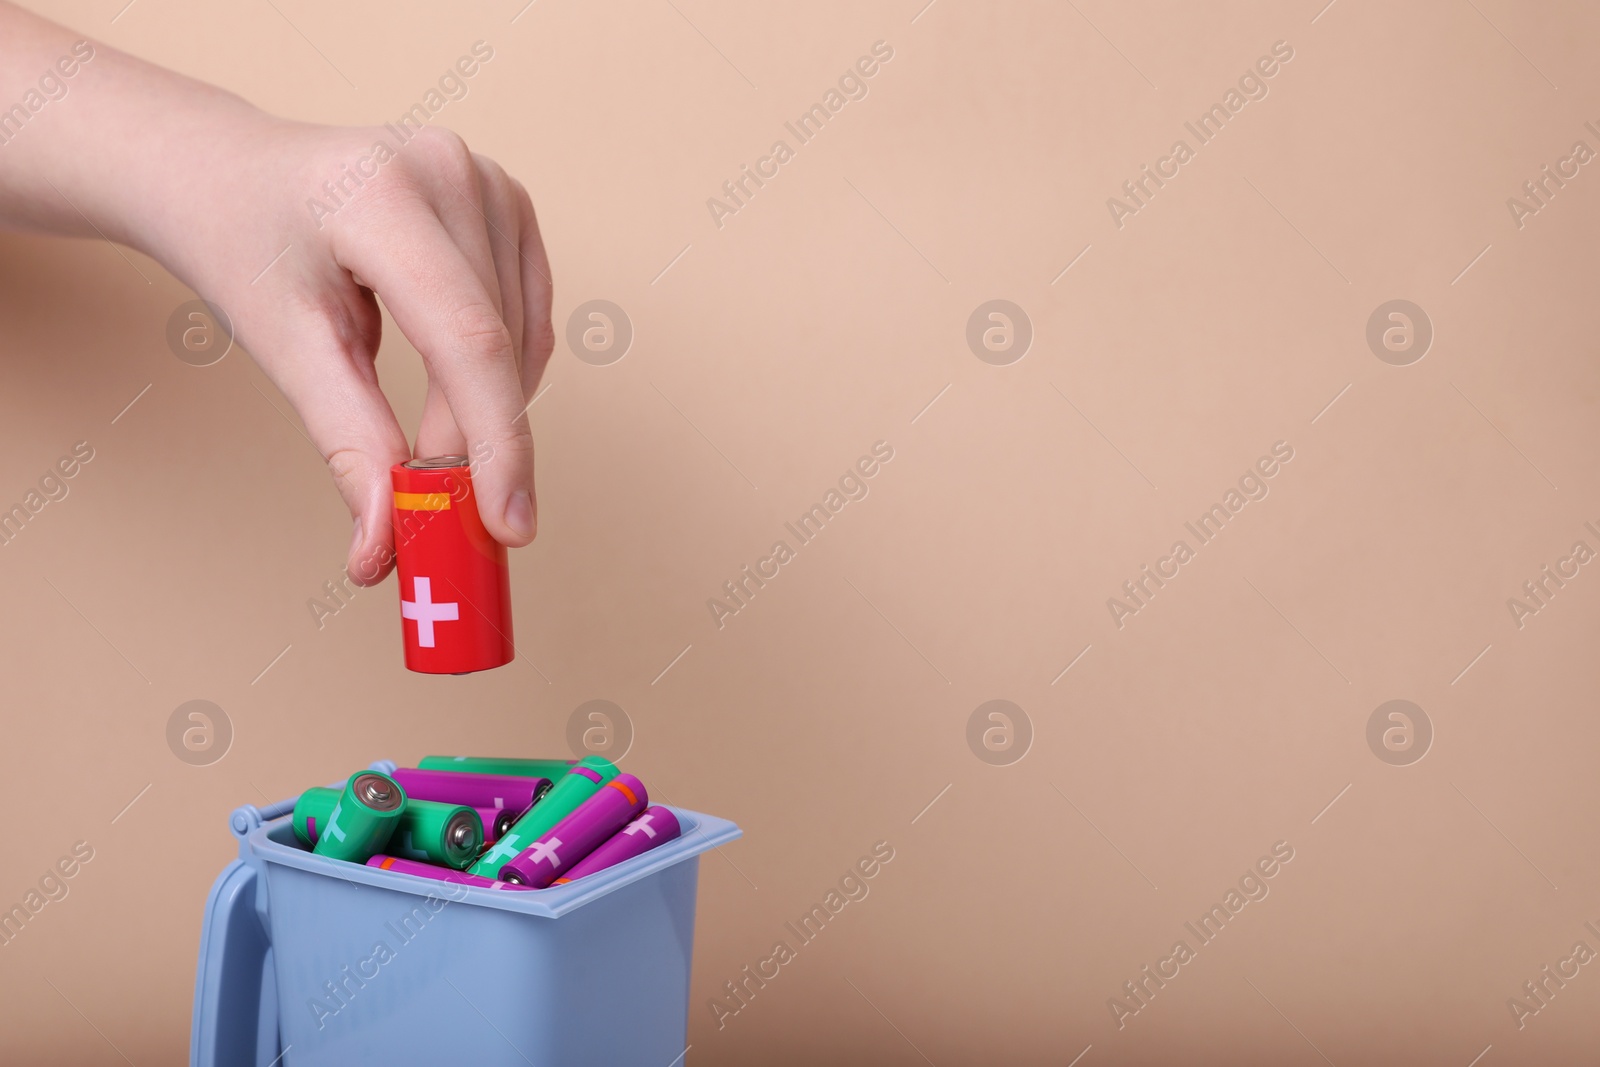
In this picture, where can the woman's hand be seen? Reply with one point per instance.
(292, 229)
(448, 240)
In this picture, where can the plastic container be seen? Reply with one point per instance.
(312, 962)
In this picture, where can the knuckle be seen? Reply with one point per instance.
(511, 453)
(499, 194)
(523, 198)
(517, 445)
(493, 173)
(541, 341)
(446, 151)
(345, 464)
(504, 191)
(482, 334)
(347, 170)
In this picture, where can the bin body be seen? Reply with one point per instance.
(356, 965)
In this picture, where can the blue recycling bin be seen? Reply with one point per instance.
(312, 962)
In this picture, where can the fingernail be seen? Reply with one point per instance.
(519, 513)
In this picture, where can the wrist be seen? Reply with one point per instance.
(169, 190)
(121, 149)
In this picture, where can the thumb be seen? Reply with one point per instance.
(361, 473)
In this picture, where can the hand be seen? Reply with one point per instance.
(215, 190)
(448, 240)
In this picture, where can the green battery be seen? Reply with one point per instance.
(450, 834)
(552, 769)
(311, 813)
(362, 819)
(582, 781)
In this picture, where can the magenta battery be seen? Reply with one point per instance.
(473, 790)
(559, 848)
(651, 830)
(496, 821)
(432, 870)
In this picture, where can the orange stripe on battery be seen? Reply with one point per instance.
(422, 501)
(388, 861)
(625, 791)
(561, 881)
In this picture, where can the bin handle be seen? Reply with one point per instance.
(248, 817)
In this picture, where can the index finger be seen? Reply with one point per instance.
(442, 307)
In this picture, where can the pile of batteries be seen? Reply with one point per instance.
(496, 823)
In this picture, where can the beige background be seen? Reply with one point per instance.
(826, 716)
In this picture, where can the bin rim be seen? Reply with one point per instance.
(265, 845)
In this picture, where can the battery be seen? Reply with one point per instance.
(362, 819)
(613, 807)
(429, 870)
(473, 790)
(311, 813)
(552, 769)
(455, 586)
(448, 834)
(571, 789)
(496, 821)
(651, 830)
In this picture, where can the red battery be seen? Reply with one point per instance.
(455, 587)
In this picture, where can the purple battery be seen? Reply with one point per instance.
(472, 790)
(617, 803)
(429, 870)
(651, 830)
(496, 821)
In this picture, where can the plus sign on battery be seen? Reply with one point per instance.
(504, 849)
(425, 612)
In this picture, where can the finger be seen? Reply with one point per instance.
(538, 333)
(332, 385)
(440, 304)
(458, 200)
(500, 218)
(489, 225)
